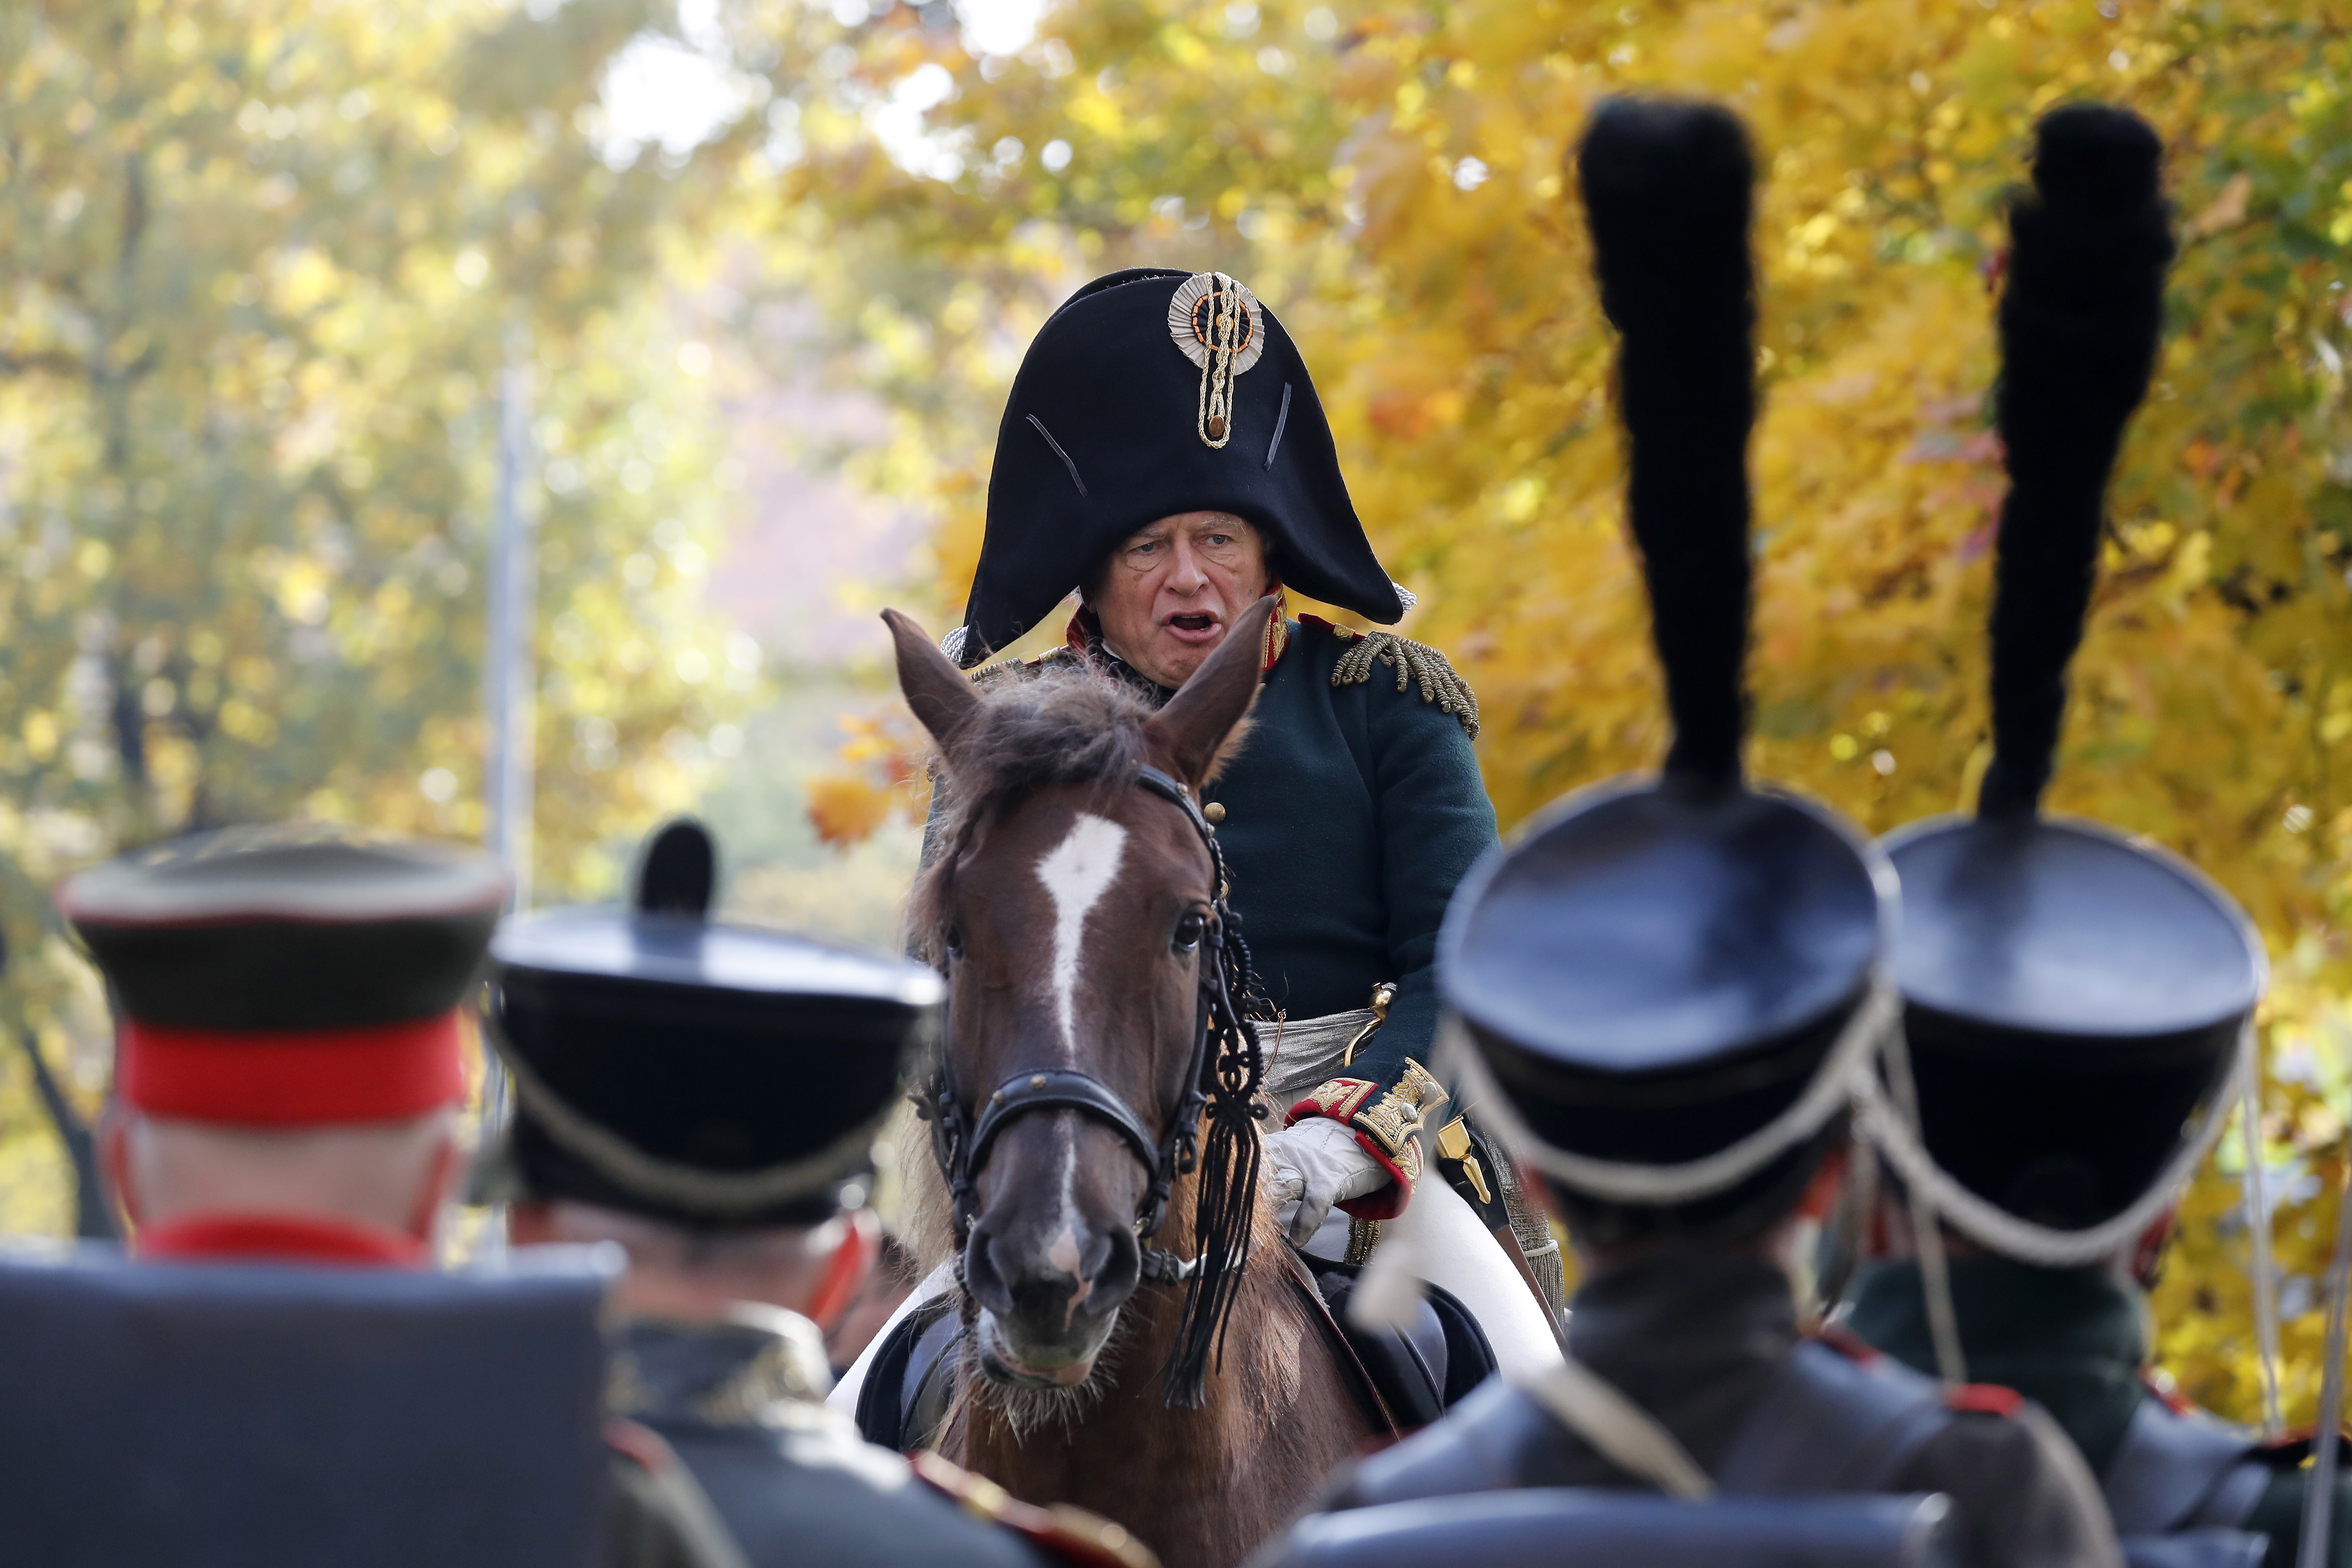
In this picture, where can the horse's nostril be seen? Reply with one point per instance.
(1122, 1265)
(982, 1275)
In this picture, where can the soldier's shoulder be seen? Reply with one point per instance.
(1902, 1382)
(657, 1515)
(1407, 667)
(1869, 1414)
(1492, 1441)
(1059, 1534)
(2009, 1467)
(832, 1497)
(1051, 659)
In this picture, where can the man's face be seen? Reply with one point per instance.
(1166, 594)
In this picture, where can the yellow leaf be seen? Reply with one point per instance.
(845, 809)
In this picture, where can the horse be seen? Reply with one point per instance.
(1090, 1111)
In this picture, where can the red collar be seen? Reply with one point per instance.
(278, 1237)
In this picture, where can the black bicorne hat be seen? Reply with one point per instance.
(2072, 998)
(708, 1075)
(1148, 394)
(1660, 969)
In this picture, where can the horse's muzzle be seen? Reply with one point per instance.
(1046, 1311)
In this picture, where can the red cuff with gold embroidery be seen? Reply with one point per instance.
(1386, 1129)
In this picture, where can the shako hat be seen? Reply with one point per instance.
(1666, 978)
(1151, 393)
(705, 1074)
(2072, 998)
(290, 973)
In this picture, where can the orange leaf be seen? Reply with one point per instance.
(845, 809)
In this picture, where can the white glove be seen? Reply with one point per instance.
(1316, 1163)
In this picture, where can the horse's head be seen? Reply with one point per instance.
(1073, 907)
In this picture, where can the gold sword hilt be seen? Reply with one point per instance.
(1382, 994)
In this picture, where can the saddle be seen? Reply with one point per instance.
(1405, 1379)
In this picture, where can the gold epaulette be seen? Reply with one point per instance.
(1061, 1533)
(1412, 661)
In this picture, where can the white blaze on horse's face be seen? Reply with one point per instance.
(1076, 873)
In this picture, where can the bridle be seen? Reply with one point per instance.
(962, 1145)
(1221, 1082)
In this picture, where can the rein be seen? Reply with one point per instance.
(1220, 1086)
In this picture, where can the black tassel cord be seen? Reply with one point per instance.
(1225, 1201)
(1668, 189)
(2079, 327)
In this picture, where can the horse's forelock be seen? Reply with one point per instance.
(1057, 727)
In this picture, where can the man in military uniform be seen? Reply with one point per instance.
(2077, 1006)
(706, 1096)
(1667, 991)
(288, 1065)
(1163, 453)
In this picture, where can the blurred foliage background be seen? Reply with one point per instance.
(1388, 176)
(263, 261)
(262, 264)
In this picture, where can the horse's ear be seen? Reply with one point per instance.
(1191, 730)
(941, 694)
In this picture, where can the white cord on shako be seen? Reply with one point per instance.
(1835, 1084)
(1578, 1397)
(2258, 1232)
(1926, 1232)
(2044, 1246)
(1846, 1077)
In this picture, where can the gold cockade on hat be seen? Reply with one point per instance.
(1220, 327)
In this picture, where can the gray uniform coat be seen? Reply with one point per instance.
(1709, 1347)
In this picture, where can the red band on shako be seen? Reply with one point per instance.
(383, 1072)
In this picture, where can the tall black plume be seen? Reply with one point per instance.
(679, 870)
(2079, 324)
(1668, 190)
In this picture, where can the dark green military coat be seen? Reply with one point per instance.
(2073, 1340)
(1351, 811)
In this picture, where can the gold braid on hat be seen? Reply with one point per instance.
(1216, 416)
(1224, 339)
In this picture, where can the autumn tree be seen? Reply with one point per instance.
(262, 264)
(1390, 175)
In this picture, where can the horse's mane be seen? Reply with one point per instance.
(1056, 726)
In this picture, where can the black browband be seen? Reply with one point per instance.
(962, 1146)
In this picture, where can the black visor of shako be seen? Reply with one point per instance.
(2071, 999)
(714, 1048)
(1652, 974)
